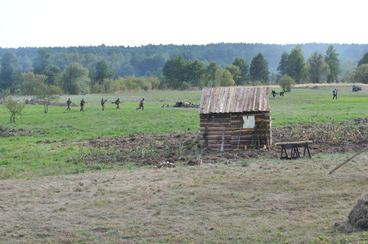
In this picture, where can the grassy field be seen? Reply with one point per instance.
(48, 194)
(262, 201)
(27, 156)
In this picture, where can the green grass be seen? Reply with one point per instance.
(24, 156)
(304, 106)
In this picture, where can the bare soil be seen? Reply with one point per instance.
(6, 132)
(184, 148)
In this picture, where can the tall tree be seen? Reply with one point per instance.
(101, 72)
(75, 78)
(259, 69)
(194, 72)
(318, 69)
(244, 71)
(332, 60)
(296, 65)
(173, 72)
(53, 74)
(363, 60)
(210, 74)
(235, 72)
(41, 62)
(8, 70)
(361, 74)
(282, 68)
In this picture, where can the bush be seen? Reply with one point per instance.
(15, 108)
(135, 83)
(361, 74)
(286, 82)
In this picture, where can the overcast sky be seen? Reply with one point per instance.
(43, 23)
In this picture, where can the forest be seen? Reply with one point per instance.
(84, 69)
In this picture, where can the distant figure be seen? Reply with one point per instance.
(356, 88)
(117, 103)
(141, 104)
(103, 101)
(274, 93)
(334, 93)
(68, 103)
(282, 93)
(82, 102)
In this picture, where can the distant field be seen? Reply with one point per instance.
(27, 156)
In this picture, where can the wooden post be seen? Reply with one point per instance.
(222, 141)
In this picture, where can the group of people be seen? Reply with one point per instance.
(274, 93)
(103, 101)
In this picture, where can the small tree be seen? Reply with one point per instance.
(286, 82)
(36, 85)
(15, 108)
(361, 74)
(46, 95)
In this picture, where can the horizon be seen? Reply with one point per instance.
(185, 44)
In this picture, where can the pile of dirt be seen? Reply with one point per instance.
(155, 149)
(357, 219)
(185, 147)
(358, 216)
(6, 132)
(329, 137)
(53, 101)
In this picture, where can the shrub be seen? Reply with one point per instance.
(15, 108)
(286, 82)
(135, 83)
(361, 74)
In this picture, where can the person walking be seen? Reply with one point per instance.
(117, 103)
(103, 101)
(68, 103)
(334, 94)
(141, 104)
(82, 102)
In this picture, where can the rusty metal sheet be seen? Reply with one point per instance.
(234, 100)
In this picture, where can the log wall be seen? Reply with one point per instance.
(225, 132)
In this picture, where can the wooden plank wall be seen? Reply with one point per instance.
(224, 131)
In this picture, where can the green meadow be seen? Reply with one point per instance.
(54, 149)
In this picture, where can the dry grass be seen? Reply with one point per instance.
(262, 201)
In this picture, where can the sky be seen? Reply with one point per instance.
(50, 23)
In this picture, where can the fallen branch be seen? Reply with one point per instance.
(346, 161)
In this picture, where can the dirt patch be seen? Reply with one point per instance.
(6, 132)
(156, 150)
(184, 147)
(330, 137)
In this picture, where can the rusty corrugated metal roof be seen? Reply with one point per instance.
(234, 100)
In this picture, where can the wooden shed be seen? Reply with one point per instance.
(235, 118)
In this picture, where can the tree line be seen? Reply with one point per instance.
(79, 70)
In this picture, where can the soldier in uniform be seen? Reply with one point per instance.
(82, 102)
(274, 93)
(117, 103)
(334, 94)
(68, 103)
(141, 104)
(103, 101)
